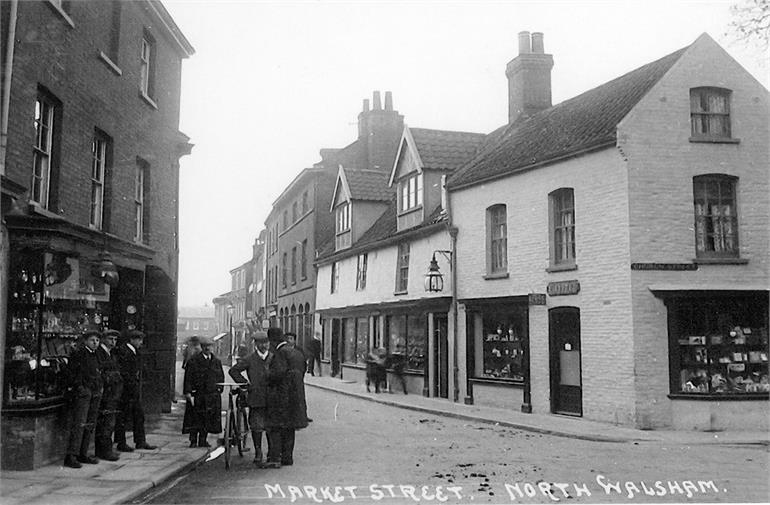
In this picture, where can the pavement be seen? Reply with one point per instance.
(139, 472)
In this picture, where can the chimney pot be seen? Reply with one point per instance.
(525, 44)
(376, 103)
(366, 105)
(537, 43)
(388, 100)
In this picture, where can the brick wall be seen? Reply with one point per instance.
(601, 210)
(662, 164)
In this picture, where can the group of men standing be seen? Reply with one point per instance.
(104, 392)
(275, 394)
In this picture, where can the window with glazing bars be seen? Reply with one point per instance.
(402, 269)
(716, 217)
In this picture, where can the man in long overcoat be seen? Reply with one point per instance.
(202, 375)
(131, 409)
(85, 392)
(189, 422)
(256, 366)
(289, 412)
(113, 388)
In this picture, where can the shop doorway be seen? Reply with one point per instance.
(566, 379)
(441, 357)
(336, 342)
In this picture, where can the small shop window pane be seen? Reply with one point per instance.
(500, 338)
(349, 335)
(362, 339)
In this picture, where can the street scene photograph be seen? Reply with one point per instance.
(384, 251)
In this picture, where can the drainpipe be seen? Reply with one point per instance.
(453, 268)
(4, 246)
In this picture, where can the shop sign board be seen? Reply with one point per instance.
(563, 288)
(536, 298)
(664, 266)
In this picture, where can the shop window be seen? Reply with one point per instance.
(499, 341)
(409, 331)
(719, 345)
(402, 268)
(349, 339)
(497, 239)
(42, 155)
(710, 113)
(362, 339)
(361, 272)
(52, 300)
(716, 217)
(562, 224)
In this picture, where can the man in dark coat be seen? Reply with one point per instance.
(113, 388)
(314, 354)
(190, 422)
(256, 366)
(85, 391)
(202, 375)
(130, 407)
(293, 412)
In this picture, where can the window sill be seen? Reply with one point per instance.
(719, 397)
(147, 99)
(400, 293)
(410, 210)
(62, 13)
(561, 268)
(721, 261)
(499, 381)
(500, 275)
(110, 64)
(715, 140)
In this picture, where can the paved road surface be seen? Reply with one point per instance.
(362, 452)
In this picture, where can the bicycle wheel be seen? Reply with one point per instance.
(241, 430)
(227, 439)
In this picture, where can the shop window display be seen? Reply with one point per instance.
(499, 344)
(52, 300)
(409, 331)
(720, 346)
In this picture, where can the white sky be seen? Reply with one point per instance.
(273, 82)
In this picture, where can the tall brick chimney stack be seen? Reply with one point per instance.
(380, 130)
(529, 78)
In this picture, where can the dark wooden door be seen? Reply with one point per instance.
(441, 357)
(566, 379)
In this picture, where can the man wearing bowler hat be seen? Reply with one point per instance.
(203, 374)
(113, 388)
(130, 364)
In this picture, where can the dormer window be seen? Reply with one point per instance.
(410, 193)
(710, 113)
(343, 218)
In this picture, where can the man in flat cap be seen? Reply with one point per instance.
(85, 391)
(113, 388)
(256, 365)
(130, 401)
(202, 375)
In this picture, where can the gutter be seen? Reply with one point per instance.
(6, 84)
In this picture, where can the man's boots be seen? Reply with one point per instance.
(256, 436)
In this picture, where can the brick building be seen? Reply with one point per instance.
(300, 222)
(90, 179)
(613, 249)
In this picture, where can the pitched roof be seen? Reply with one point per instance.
(445, 150)
(365, 184)
(384, 231)
(585, 122)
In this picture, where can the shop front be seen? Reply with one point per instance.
(497, 332)
(718, 359)
(350, 334)
(59, 286)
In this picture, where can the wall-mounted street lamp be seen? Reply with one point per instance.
(434, 279)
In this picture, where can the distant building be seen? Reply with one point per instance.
(90, 178)
(195, 321)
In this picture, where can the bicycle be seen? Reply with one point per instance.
(236, 421)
